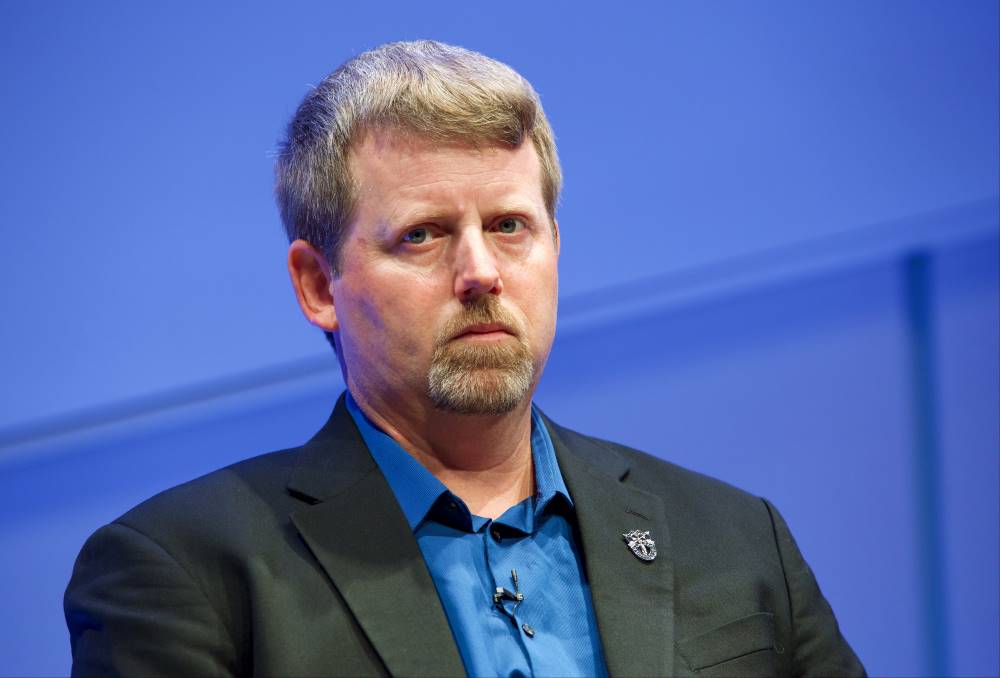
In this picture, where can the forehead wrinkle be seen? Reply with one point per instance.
(438, 201)
(428, 191)
(429, 203)
(502, 195)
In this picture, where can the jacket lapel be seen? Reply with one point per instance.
(633, 599)
(360, 536)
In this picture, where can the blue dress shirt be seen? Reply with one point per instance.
(552, 631)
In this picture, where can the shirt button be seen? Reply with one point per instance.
(528, 631)
(496, 534)
(452, 506)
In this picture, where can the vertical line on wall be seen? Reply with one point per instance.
(917, 274)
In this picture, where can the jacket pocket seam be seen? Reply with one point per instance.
(758, 635)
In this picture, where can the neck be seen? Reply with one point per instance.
(484, 459)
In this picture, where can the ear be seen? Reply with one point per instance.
(555, 235)
(311, 276)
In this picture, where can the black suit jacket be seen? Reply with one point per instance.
(301, 562)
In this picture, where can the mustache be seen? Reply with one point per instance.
(483, 311)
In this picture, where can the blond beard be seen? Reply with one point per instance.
(469, 378)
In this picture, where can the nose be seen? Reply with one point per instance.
(476, 270)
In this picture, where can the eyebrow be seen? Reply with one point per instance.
(517, 207)
(392, 225)
(420, 214)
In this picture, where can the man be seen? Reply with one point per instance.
(439, 524)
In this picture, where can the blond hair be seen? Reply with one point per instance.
(432, 90)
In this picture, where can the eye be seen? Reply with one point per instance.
(510, 225)
(416, 236)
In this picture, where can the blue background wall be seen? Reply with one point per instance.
(780, 246)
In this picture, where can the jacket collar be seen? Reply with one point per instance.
(332, 460)
(359, 535)
(633, 599)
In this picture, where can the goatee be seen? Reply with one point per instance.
(480, 378)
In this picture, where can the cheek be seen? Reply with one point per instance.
(546, 274)
(394, 321)
(541, 288)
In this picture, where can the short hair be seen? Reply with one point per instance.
(426, 88)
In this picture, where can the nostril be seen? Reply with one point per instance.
(474, 284)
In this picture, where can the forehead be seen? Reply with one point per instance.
(390, 167)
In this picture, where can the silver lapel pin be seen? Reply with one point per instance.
(640, 544)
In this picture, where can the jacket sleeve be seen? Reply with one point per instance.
(132, 609)
(820, 649)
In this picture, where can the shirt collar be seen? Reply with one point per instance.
(417, 489)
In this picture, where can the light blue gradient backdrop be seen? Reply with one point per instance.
(779, 267)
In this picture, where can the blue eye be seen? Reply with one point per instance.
(510, 225)
(415, 236)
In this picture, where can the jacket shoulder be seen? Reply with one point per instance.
(653, 473)
(226, 505)
(707, 517)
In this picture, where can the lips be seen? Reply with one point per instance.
(484, 328)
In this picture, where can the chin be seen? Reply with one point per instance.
(480, 392)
